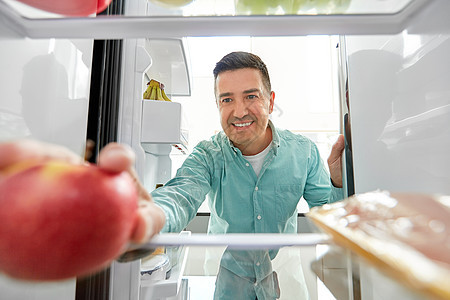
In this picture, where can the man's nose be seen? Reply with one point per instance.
(240, 109)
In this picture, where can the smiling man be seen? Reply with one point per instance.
(245, 104)
(253, 174)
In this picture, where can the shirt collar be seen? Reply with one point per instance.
(275, 138)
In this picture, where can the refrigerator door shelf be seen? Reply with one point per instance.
(155, 267)
(162, 123)
(169, 65)
(171, 286)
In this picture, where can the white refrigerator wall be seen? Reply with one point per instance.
(399, 96)
(45, 90)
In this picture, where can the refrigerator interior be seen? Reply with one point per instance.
(396, 68)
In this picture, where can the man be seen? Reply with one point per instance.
(253, 174)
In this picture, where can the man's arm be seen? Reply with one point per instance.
(181, 197)
(322, 187)
(318, 187)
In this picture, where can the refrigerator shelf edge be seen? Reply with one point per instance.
(244, 241)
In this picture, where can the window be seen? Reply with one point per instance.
(303, 72)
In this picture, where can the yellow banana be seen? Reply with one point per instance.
(147, 92)
(153, 83)
(153, 94)
(165, 96)
(155, 91)
(158, 94)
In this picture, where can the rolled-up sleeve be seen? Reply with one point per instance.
(181, 196)
(318, 187)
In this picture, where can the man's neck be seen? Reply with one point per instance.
(255, 149)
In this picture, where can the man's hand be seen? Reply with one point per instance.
(117, 157)
(113, 157)
(335, 161)
(31, 150)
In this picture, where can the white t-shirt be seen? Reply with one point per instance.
(257, 160)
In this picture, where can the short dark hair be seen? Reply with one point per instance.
(241, 60)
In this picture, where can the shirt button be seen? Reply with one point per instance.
(255, 284)
(256, 188)
(258, 264)
(259, 217)
(247, 164)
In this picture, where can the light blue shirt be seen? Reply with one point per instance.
(240, 201)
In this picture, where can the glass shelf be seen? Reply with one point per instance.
(277, 7)
(196, 8)
(215, 18)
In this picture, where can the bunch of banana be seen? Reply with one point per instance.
(155, 91)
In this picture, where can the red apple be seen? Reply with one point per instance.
(59, 220)
(70, 7)
(102, 5)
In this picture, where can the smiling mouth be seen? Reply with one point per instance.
(241, 125)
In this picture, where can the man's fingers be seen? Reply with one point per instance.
(27, 149)
(116, 158)
(336, 150)
(334, 161)
(89, 149)
(150, 221)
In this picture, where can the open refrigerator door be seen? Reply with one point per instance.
(397, 234)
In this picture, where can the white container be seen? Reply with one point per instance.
(162, 124)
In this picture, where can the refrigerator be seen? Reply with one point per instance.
(68, 79)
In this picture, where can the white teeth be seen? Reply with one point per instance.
(243, 124)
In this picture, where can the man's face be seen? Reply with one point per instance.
(244, 107)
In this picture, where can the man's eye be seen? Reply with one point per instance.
(252, 96)
(226, 100)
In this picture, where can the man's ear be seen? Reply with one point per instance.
(271, 101)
